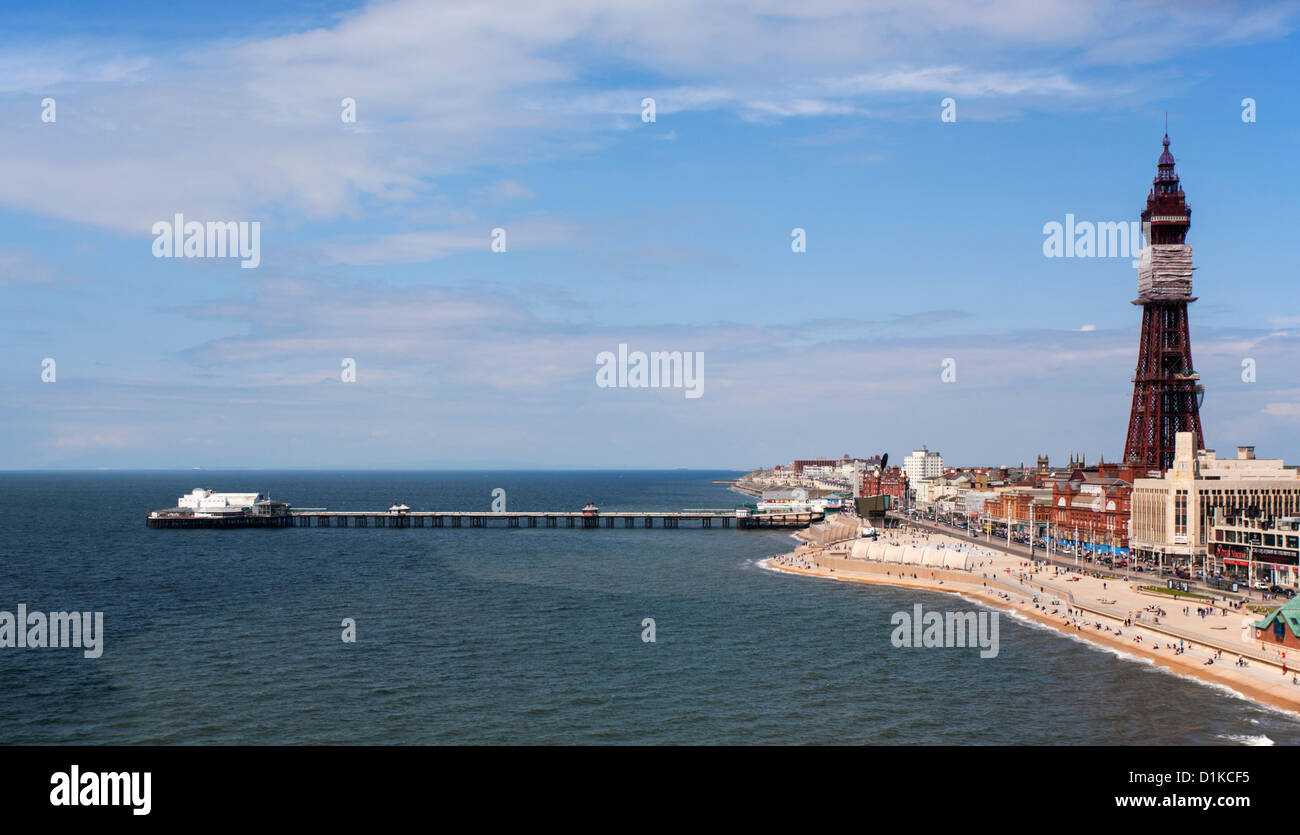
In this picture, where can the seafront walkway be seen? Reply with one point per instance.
(1248, 595)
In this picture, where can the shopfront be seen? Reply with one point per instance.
(1258, 563)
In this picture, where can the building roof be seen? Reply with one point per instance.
(1289, 612)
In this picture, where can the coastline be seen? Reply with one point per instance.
(833, 563)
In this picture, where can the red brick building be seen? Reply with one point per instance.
(1013, 503)
(893, 482)
(1093, 505)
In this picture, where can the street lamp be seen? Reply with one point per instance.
(1031, 530)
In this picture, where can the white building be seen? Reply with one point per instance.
(204, 502)
(922, 465)
(973, 501)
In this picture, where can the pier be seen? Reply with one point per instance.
(647, 519)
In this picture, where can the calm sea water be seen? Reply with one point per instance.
(517, 635)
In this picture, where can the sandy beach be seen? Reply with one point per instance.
(1180, 635)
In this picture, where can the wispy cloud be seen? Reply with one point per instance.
(929, 317)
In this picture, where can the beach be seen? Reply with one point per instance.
(1177, 634)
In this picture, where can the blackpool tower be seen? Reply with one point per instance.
(1167, 391)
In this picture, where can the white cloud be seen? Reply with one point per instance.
(415, 247)
(1283, 410)
(251, 129)
(509, 190)
(958, 81)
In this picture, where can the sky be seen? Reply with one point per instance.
(922, 147)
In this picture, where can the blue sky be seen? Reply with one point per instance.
(924, 237)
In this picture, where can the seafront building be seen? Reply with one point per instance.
(813, 467)
(1078, 507)
(891, 481)
(1282, 627)
(922, 464)
(203, 507)
(204, 499)
(844, 476)
(1090, 509)
(1234, 517)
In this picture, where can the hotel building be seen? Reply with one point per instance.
(922, 465)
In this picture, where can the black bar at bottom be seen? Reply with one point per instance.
(255, 783)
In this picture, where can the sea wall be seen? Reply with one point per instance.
(841, 565)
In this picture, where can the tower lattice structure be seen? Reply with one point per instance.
(1167, 392)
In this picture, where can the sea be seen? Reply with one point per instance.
(520, 636)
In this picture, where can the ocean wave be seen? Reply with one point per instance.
(1246, 739)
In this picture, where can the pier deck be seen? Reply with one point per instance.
(496, 519)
